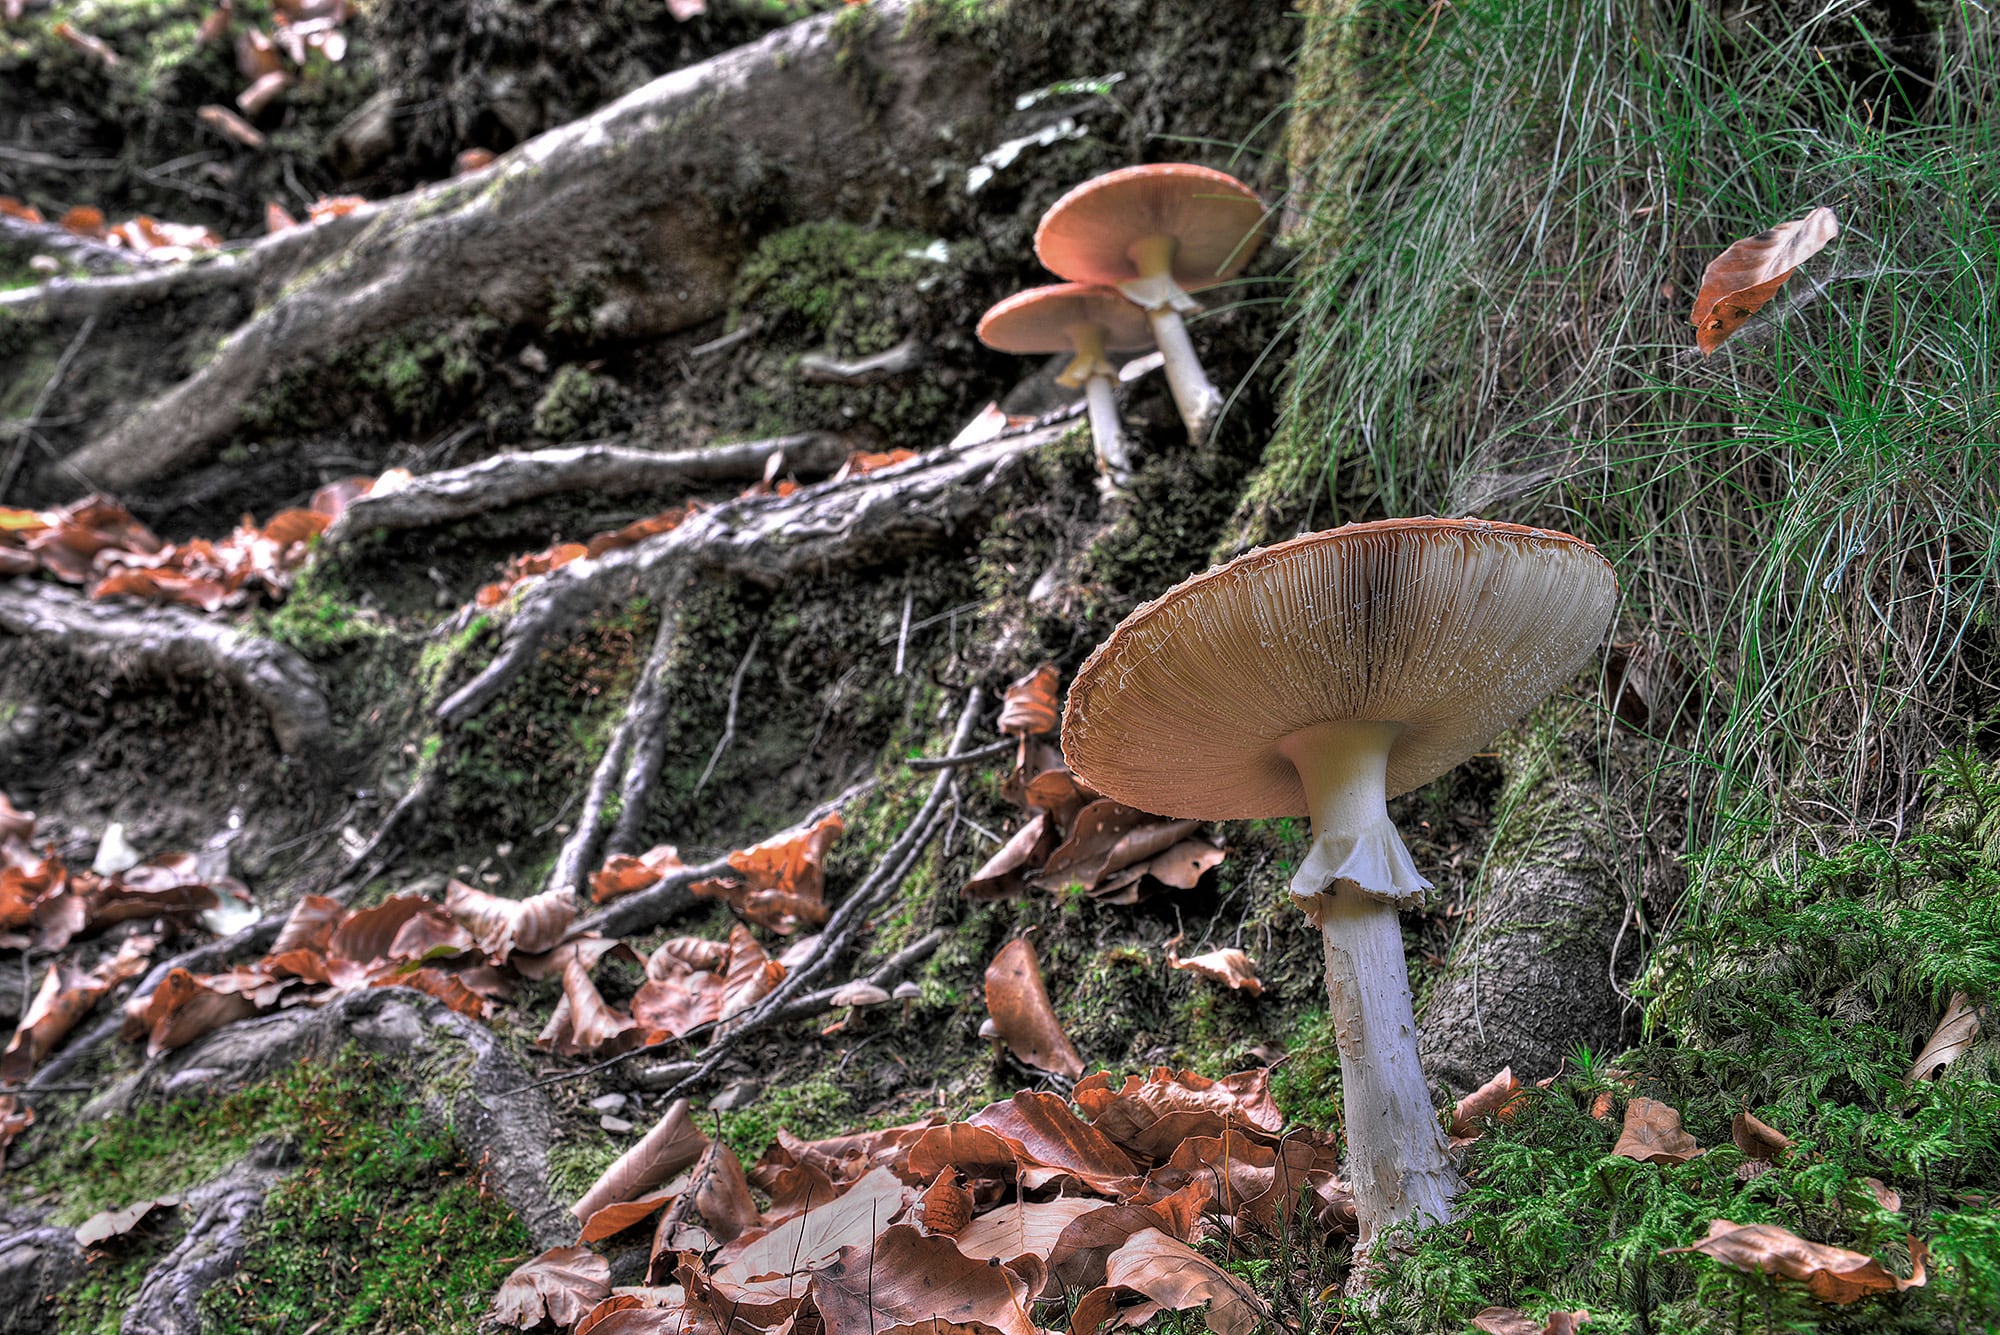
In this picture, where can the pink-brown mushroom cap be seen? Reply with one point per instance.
(1039, 319)
(1217, 220)
(1452, 627)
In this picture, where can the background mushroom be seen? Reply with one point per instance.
(1320, 677)
(1087, 321)
(1157, 233)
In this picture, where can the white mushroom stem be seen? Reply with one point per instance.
(1165, 302)
(1098, 377)
(1358, 870)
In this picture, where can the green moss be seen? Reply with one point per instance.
(1801, 1003)
(577, 404)
(413, 380)
(317, 618)
(809, 1109)
(96, 1303)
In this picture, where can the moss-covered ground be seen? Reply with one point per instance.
(379, 1225)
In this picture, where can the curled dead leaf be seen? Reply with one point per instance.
(105, 1225)
(1953, 1036)
(672, 1144)
(1228, 966)
(502, 926)
(1498, 1098)
(561, 1285)
(1738, 282)
(1030, 703)
(902, 1280)
(1652, 1134)
(1758, 1141)
(1831, 1274)
(1510, 1321)
(1019, 1005)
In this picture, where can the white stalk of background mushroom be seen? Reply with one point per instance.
(1351, 882)
(1165, 302)
(1091, 371)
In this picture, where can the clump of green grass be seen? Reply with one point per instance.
(1803, 1004)
(1493, 320)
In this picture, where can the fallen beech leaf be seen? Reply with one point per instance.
(1019, 1005)
(623, 874)
(335, 206)
(809, 1240)
(1758, 1141)
(94, 47)
(1832, 1274)
(11, 207)
(472, 160)
(561, 1285)
(1030, 708)
(1108, 837)
(1051, 1140)
(613, 1219)
(310, 925)
(1228, 965)
(66, 996)
(1154, 1114)
(85, 221)
(1738, 282)
(443, 986)
(1508, 1321)
(232, 126)
(792, 1169)
(183, 1008)
(14, 822)
(15, 1117)
(584, 1023)
(1258, 1183)
(720, 1194)
(215, 24)
(502, 926)
(688, 986)
(1006, 873)
(672, 1144)
(947, 1205)
(1497, 1098)
(368, 935)
(865, 461)
(1652, 1134)
(902, 1280)
(1177, 1277)
(791, 864)
(1885, 1196)
(108, 1224)
(1181, 867)
(1953, 1036)
(595, 1318)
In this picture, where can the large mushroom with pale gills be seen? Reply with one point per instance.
(1158, 233)
(1321, 677)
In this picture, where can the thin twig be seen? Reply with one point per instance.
(903, 640)
(729, 722)
(22, 427)
(991, 751)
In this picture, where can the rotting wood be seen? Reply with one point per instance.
(517, 477)
(173, 640)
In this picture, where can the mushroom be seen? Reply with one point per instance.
(1322, 676)
(1087, 321)
(1157, 233)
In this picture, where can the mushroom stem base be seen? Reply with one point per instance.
(1398, 1165)
(1114, 461)
(1195, 396)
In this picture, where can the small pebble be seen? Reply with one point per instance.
(617, 1126)
(605, 1103)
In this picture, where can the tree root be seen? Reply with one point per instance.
(220, 1216)
(657, 171)
(764, 540)
(518, 477)
(172, 640)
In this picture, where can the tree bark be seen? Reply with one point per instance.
(1531, 975)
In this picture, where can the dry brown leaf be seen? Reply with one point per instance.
(1738, 282)
(66, 996)
(1255, 1182)
(1180, 867)
(232, 126)
(1652, 1134)
(1108, 837)
(785, 876)
(11, 207)
(367, 935)
(328, 207)
(811, 1239)
(1498, 1098)
(1953, 1036)
(448, 988)
(610, 1220)
(15, 1117)
(277, 218)
(256, 54)
(947, 1205)
(84, 221)
(1051, 1141)
(623, 874)
(672, 1144)
(584, 1023)
(108, 1224)
(1757, 1140)
(310, 925)
(1228, 966)
(1885, 1196)
(561, 1285)
(502, 926)
(1006, 873)
(94, 47)
(1019, 1005)
(1509, 1321)
(721, 1195)
(689, 984)
(792, 1169)
(1177, 1277)
(1154, 1114)
(183, 1008)
(471, 160)
(1831, 1274)
(1030, 708)
(903, 1281)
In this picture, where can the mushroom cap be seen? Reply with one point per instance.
(1218, 221)
(1039, 319)
(1452, 627)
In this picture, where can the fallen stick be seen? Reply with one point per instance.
(518, 477)
(174, 641)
